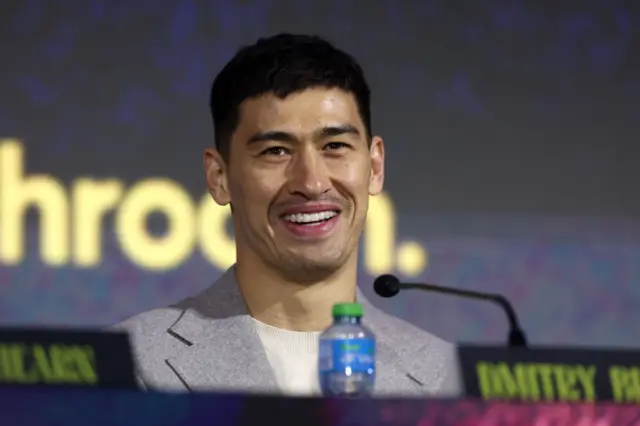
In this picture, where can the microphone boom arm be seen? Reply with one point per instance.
(516, 335)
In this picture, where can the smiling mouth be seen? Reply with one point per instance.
(311, 218)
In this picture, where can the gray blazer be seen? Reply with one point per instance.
(208, 342)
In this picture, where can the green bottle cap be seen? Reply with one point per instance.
(347, 310)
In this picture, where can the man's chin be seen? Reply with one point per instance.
(311, 268)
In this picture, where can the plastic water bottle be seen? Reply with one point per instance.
(347, 354)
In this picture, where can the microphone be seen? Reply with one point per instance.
(389, 286)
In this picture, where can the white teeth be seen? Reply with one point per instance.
(310, 217)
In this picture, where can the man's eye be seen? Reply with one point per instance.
(275, 150)
(332, 146)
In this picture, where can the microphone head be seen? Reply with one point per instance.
(386, 286)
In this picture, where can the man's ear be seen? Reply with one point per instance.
(216, 175)
(376, 179)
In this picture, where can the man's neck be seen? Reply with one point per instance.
(293, 306)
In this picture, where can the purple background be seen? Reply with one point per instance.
(511, 130)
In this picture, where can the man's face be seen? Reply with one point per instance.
(299, 175)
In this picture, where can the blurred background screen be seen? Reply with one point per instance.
(511, 130)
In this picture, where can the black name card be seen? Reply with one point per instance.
(549, 374)
(40, 357)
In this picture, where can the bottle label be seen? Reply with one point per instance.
(354, 355)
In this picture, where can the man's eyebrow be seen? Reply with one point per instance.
(323, 132)
(276, 135)
(338, 130)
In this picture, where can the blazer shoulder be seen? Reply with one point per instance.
(406, 335)
(149, 333)
(150, 322)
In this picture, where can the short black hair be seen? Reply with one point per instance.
(283, 64)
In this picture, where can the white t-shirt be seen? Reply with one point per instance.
(293, 356)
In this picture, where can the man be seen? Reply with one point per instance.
(296, 161)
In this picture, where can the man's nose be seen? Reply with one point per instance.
(309, 175)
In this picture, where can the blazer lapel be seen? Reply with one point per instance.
(392, 375)
(221, 349)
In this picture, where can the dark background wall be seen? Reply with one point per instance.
(511, 130)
